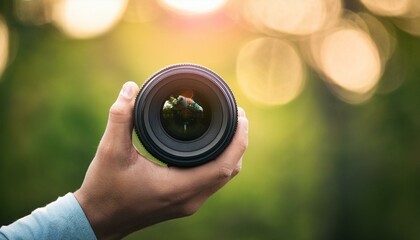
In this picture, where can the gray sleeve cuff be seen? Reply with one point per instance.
(62, 219)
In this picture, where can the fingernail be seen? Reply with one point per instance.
(127, 91)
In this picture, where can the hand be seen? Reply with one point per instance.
(124, 192)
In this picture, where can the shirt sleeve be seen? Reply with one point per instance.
(62, 219)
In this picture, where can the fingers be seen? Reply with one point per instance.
(231, 158)
(215, 174)
(120, 120)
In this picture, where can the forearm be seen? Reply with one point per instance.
(62, 219)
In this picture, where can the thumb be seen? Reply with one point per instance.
(120, 120)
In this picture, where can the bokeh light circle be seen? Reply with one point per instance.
(4, 45)
(194, 6)
(142, 11)
(350, 59)
(383, 35)
(409, 25)
(270, 71)
(298, 17)
(388, 7)
(86, 19)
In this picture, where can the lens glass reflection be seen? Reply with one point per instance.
(185, 115)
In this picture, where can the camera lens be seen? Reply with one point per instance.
(185, 115)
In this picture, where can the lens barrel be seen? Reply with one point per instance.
(185, 115)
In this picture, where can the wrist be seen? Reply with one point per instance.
(98, 219)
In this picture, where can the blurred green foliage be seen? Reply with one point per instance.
(317, 168)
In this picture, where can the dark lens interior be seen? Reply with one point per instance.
(185, 115)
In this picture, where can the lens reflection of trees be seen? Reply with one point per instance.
(183, 118)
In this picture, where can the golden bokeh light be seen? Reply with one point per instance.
(298, 17)
(270, 71)
(383, 35)
(389, 7)
(4, 45)
(410, 21)
(194, 6)
(349, 96)
(87, 19)
(142, 11)
(351, 56)
(409, 25)
(394, 74)
(350, 59)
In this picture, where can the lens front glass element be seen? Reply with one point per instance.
(185, 115)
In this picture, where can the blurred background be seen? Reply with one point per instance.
(330, 87)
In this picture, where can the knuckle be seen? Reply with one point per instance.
(237, 170)
(189, 209)
(224, 173)
(116, 109)
(117, 112)
(243, 145)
